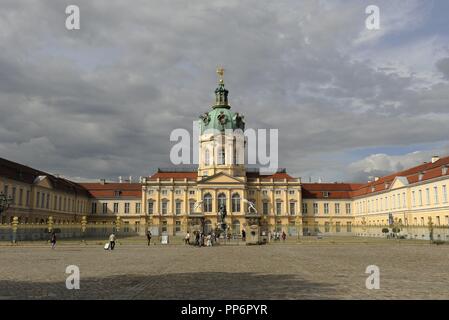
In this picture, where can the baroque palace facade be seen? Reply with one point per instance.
(176, 201)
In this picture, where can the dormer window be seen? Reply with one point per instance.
(117, 193)
(420, 176)
(373, 189)
(387, 185)
(326, 194)
(444, 170)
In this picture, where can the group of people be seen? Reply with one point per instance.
(277, 235)
(201, 239)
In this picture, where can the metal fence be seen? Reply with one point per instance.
(42, 232)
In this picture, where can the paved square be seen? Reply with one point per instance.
(314, 270)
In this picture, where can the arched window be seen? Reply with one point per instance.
(164, 206)
(235, 202)
(207, 227)
(207, 157)
(236, 227)
(221, 201)
(207, 203)
(221, 156)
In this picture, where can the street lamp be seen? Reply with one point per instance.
(5, 202)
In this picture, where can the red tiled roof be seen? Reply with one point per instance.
(275, 176)
(108, 190)
(334, 190)
(174, 175)
(22, 173)
(430, 170)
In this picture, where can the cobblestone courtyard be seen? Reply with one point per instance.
(314, 270)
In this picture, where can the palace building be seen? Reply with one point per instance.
(174, 201)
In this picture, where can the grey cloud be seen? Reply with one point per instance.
(102, 101)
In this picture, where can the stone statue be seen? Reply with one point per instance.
(222, 212)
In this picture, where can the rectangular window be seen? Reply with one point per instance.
(20, 197)
(14, 195)
(178, 226)
(326, 208)
(435, 191)
(444, 194)
(27, 201)
(191, 206)
(291, 192)
(164, 192)
(337, 227)
(137, 207)
(420, 197)
(105, 207)
(304, 208)
(348, 208)
(192, 192)
(404, 200)
(150, 207)
(94, 207)
(126, 207)
(178, 191)
(278, 208)
(47, 204)
(292, 208)
(115, 207)
(348, 227)
(413, 198)
(178, 207)
(337, 208)
(427, 196)
(327, 227)
(60, 203)
(265, 207)
(38, 196)
(315, 208)
(164, 207)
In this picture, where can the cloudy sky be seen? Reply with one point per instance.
(101, 101)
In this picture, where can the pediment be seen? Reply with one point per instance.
(43, 181)
(399, 182)
(222, 178)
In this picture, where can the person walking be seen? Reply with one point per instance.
(187, 238)
(209, 240)
(149, 237)
(243, 235)
(284, 236)
(197, 239)
(53, 240)
(112, 241)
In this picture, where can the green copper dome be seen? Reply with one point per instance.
(221, 117)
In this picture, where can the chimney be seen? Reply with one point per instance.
(435, 159)
(102, 181)
(376, 178)
(120, 179)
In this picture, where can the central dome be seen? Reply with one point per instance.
(221, 117)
